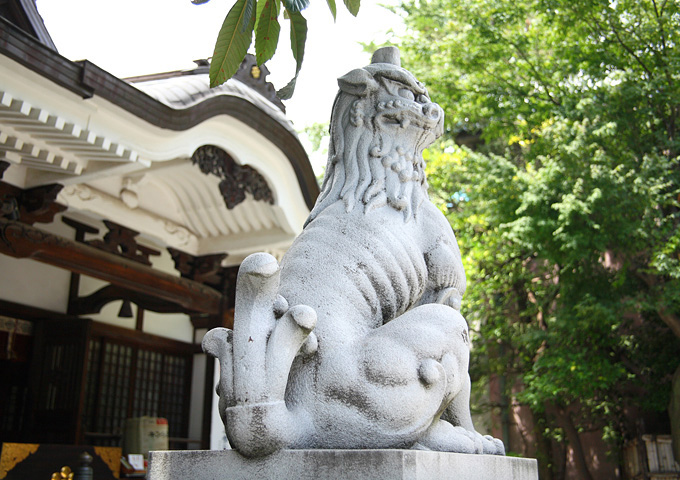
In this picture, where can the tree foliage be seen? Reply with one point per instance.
(567, 207)
(261, 17)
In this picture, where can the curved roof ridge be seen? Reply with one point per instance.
(188, 90)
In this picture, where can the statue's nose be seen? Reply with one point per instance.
(432, 111)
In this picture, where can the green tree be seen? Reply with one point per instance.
(567, 210)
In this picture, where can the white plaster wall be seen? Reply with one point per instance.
(177, 326)
(33, 283)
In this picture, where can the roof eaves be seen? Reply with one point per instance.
(86, 80)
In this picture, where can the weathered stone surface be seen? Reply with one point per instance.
(338, 465)
(356, 340)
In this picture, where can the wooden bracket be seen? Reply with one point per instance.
(35, 205)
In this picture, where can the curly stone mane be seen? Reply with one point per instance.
(388, 173)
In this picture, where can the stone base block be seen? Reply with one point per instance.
(338, 465)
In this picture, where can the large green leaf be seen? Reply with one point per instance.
(295, 6)
(298, 37)
(247, 14)
(232, 44)
(331, 5)
(353, 6)
(264, 4)
(286, 92)
(267, 30)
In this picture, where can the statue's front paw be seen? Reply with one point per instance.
(475, 440)
(444, 437)
(493, 446)
(485, 444)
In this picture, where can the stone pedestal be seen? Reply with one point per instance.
(338, 465)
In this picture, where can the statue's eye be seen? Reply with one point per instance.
(423, 99)
(407, 94)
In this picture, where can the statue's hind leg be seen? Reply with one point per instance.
(428, 347)
(458, 415)
(412, 367)
(454, 431)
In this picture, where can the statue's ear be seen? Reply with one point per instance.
(358, 82)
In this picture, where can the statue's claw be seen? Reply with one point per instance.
(254, 319)
(289, 334)
(493, 446)
(218, 343)
(442, 436)
(260, 264)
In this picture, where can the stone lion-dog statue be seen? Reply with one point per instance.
(356, 340)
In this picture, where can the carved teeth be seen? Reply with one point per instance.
(405, 123)
(218, 343)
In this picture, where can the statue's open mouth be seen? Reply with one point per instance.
(431, 121)
(408, 118)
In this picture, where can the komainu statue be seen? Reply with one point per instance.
(356, 340)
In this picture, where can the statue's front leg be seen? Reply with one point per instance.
(256, 358)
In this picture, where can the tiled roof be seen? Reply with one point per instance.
(187, 90)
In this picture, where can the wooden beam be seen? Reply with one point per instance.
(93, 303)
(24, 241)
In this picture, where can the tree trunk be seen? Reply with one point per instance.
(670, 319)
(565, 422)
(544, 452)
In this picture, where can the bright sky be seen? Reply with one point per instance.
(135, 37)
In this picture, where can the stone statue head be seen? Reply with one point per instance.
(382, 119)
